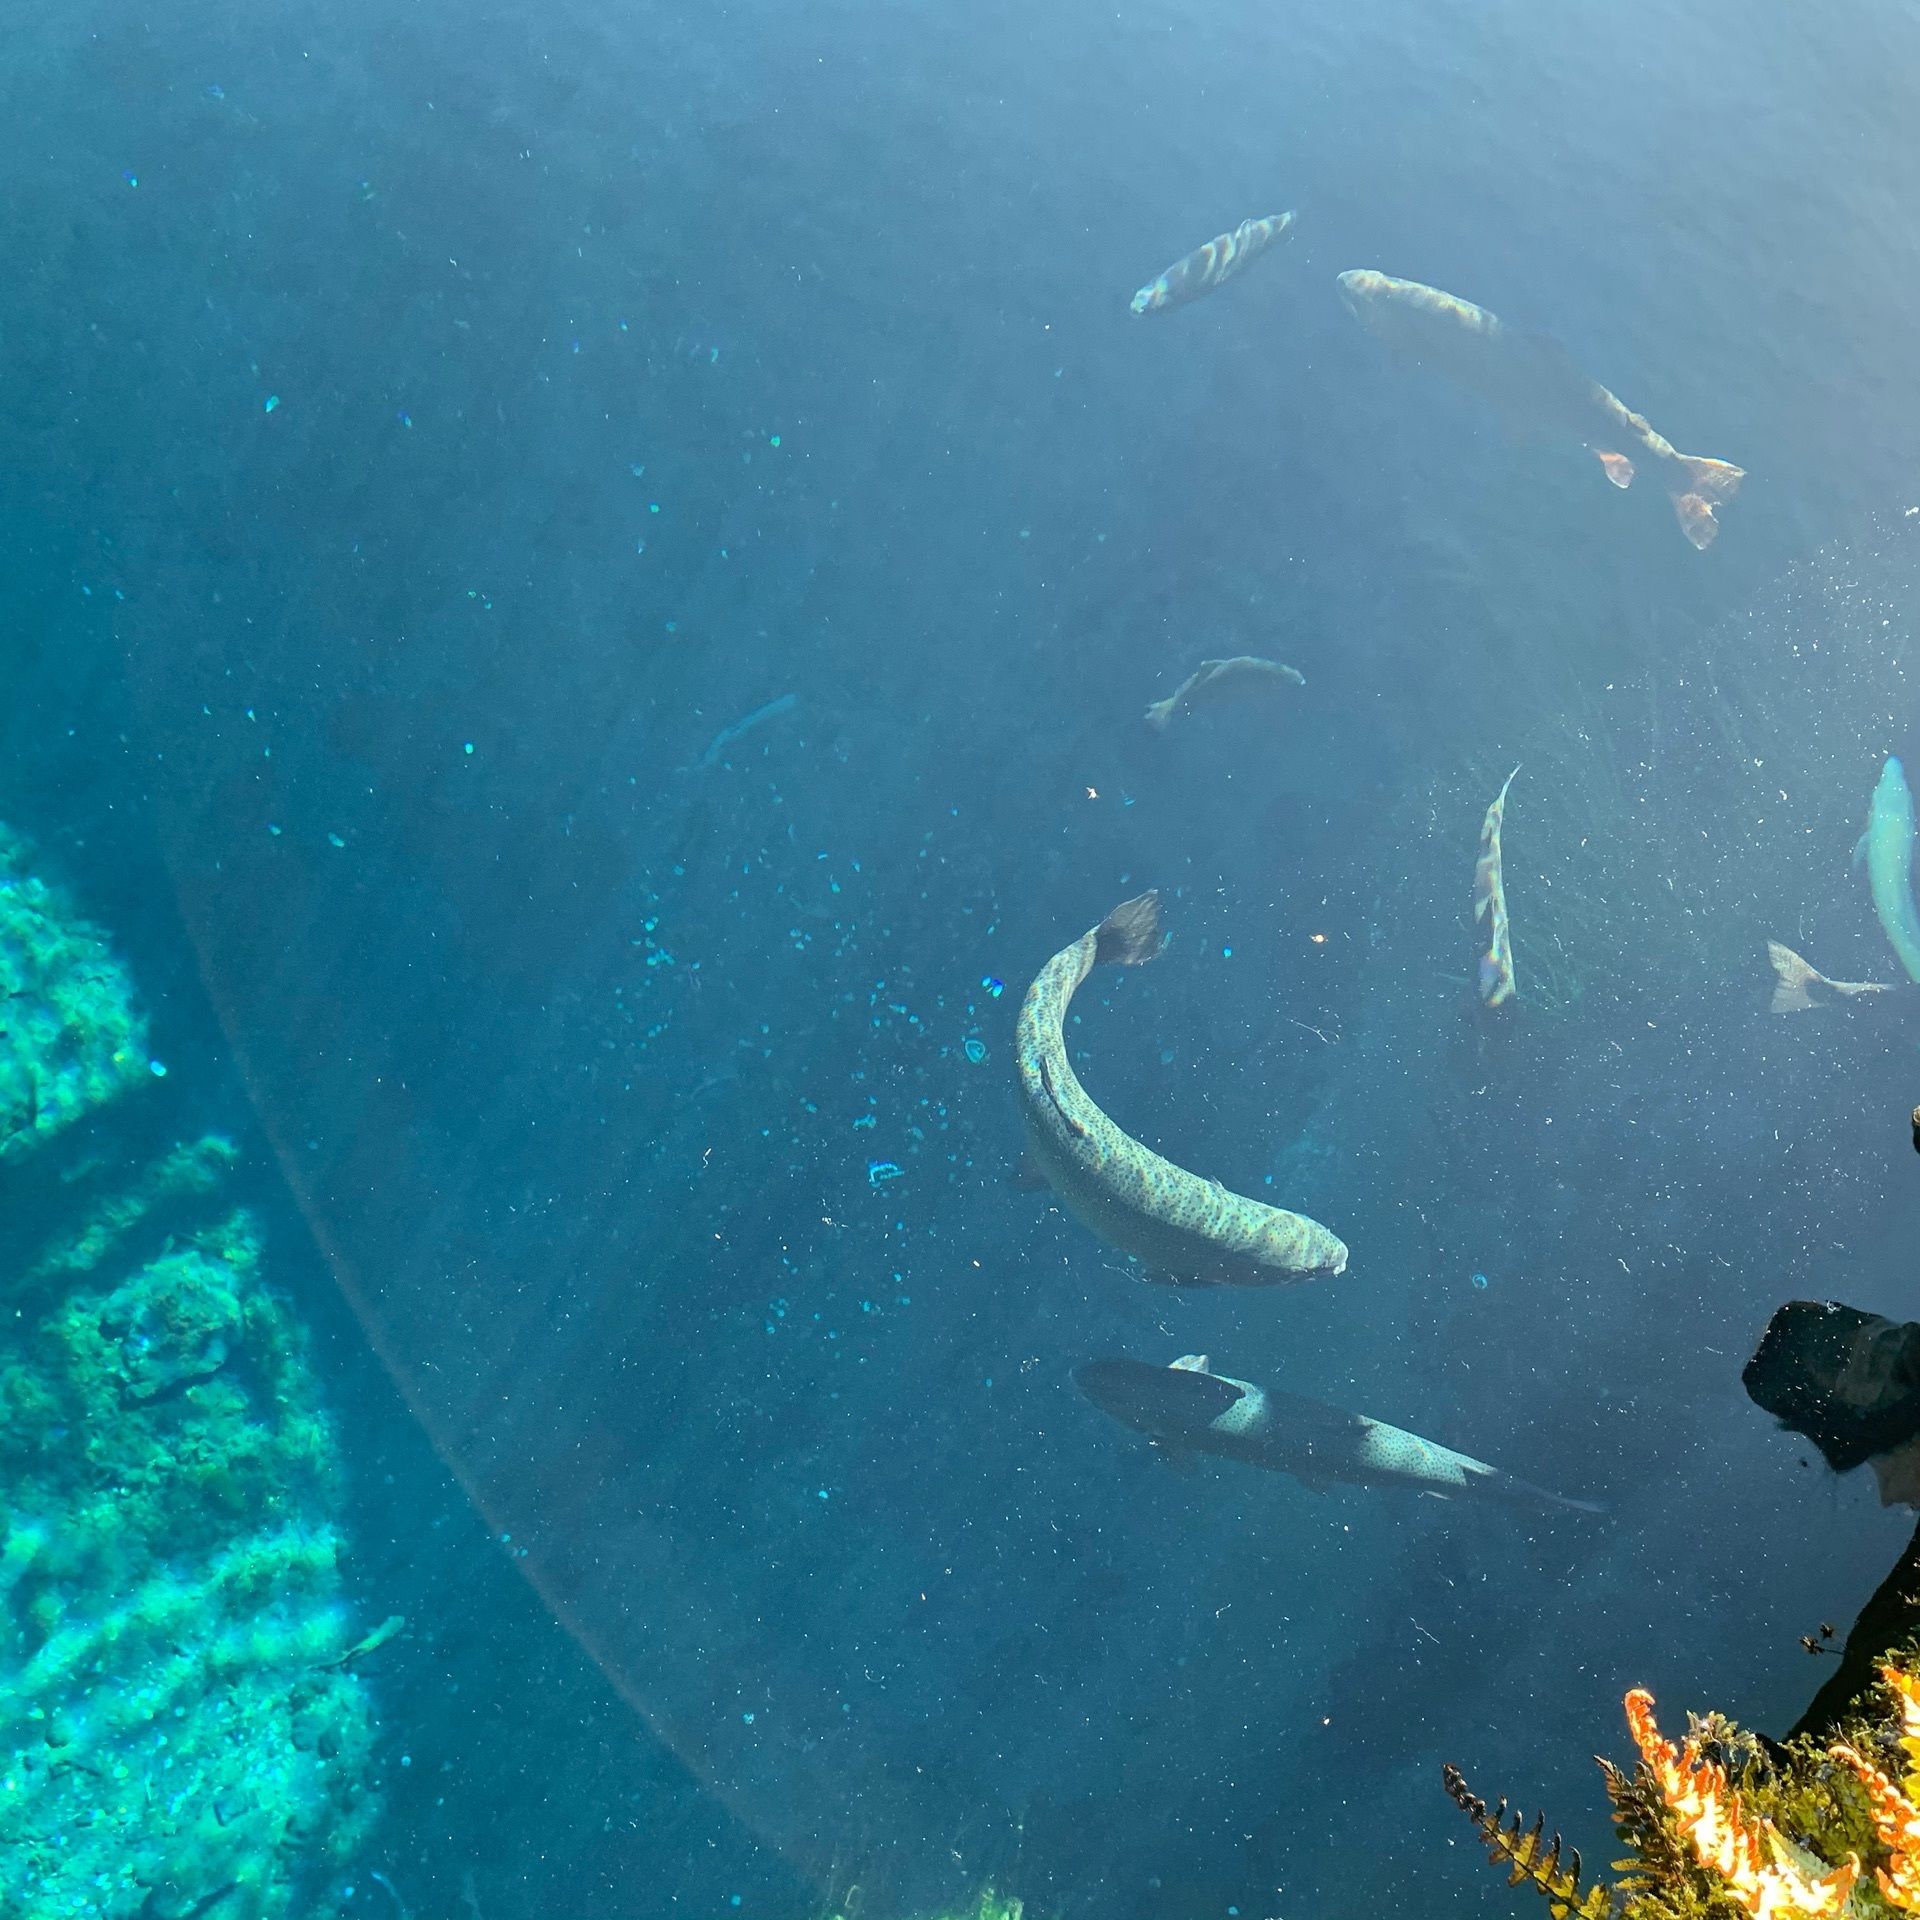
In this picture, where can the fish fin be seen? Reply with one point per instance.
(1524, 1493)
(1192, 1363)
(1708, 482)
(1067, 1120)
(1027, 1176)
(1130, 935)
(1792, 980)
(1175, 1457)
(1860, 853)
(1618, 467)
(1159, 716)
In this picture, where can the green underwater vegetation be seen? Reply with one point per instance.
(72, 1038)
(181, 1728)
(1722, 1822)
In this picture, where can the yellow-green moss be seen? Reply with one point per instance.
(1811, 1800)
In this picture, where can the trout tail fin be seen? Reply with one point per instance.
(1703, 485)
(1793, 980)
(1130, 935)
(1798, 984)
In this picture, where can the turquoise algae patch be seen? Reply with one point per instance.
(181, 1727)
(71, 1036)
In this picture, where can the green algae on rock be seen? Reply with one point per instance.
(72, 1037)
(179, 1732)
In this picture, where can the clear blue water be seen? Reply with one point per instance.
(430, 432)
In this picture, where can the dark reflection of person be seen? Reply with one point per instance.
(1849, 1382)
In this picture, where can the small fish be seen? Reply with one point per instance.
(1187, 1408)
(721, 741)
(1490, 904)
(1533, 380)
(1218, 680)
(1182, 1229)
(1206, 267)
(1798, 986)
(1888, 843)
(377, 1637)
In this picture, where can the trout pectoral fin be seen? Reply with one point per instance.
(1073, 1126)
(1177, 1458)
(1029, 1177)
(1619, 468)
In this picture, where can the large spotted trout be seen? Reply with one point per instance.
(1183, 1230)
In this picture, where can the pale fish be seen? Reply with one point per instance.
(1206, 267)
(1181, 1228)
(1889, 855)
(1799, 985)
(1215, 680)
(1187, 1408)
(1490, 904)
(1531, 378)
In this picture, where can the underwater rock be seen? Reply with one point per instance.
(180, 1730)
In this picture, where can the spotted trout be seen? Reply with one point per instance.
(1183, 1230)
(1220, 680)
(1187, 1408)
(1531, 378)
(1207, 266)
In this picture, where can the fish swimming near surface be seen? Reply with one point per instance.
(1220, 680)
(1182, 1229)
(1798, 985)
(1187, 1408)
(1490, 904)
(1206, 267)
(1888, 849)
(1532, 379)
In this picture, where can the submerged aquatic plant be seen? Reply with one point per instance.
(1719, 1823)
